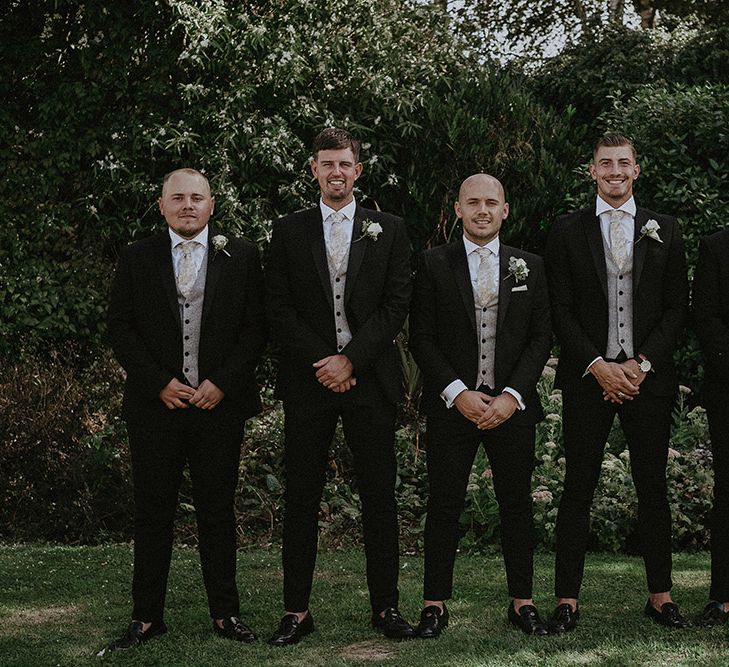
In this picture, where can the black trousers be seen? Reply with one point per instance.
(718, 415)
(646, 422)
(369, 430)
(212, 452)
(451, 444)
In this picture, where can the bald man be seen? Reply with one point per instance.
(480, 332)
(186, 322)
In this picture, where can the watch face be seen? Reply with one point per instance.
(645, 365)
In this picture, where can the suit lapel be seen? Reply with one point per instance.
(591, 225)
(356, 252)
(639, 249)
(163, 260)
(214, 268)
(462, 276)
(505, 283)
(315, 234)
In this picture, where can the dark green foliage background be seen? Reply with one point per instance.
(101, 99)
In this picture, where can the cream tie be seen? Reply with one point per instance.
(618, 242)
(338, 246)
(485, 278)
(187, 271)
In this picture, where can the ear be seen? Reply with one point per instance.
(457, 207)
(314, 167)
(593, 172)
(161, 206)
(506, 211)
(357, 170)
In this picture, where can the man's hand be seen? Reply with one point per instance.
(344, 386)
(632, 367)
(472, 404)
(618, 381)
(334, 371)
(500, 410)
(175, 395)
(207, 396)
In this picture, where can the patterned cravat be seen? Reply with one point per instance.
(618, 242)
(186, 270)
(486, 278)
(338, 246)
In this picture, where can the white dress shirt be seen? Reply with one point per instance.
(198, 251)
(348, 222)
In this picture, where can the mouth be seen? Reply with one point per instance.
(337, 183)
(615, 181)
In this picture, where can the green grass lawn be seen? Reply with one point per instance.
(60, 605)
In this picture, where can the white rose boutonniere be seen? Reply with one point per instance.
(370, 230)
(518, 268)
(650, 229)
(219, 242)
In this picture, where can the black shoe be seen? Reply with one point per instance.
(392, 624)
(712, 615)
(563, 619)
(669, 615)
(432, 621)
(233, 628)
(291, 630)
(134, 636)
(527, 620)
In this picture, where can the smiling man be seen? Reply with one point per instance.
(479, 330)
(619, 294)
(338, 288)
(186, 322)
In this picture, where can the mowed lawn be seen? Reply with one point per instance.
(60, 605)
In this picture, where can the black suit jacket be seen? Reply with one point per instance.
(145, 331)
(577, 273)
(444, 338)
(300, 302)
(711, 315)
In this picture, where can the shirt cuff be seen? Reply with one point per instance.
(450, 393)
(587, 370)
(517, 396)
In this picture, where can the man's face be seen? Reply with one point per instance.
(336, 171)
(482, 208)
(614, 170)
(186, 204)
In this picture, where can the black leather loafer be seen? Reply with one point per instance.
(712, 615)
(392, 624)
(563, 619)
(233, 628)
(291, 630)
(669, 615)
(134, 636)
(432, 621)
(527, 620)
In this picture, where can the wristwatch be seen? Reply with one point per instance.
(645, 365)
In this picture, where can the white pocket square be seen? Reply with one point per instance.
(521, 288)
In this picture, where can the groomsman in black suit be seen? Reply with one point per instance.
(338, 289)
(480, 332)
(619, 294)
(186, 321)
(711, 319)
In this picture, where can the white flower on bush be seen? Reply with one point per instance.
(542, 496)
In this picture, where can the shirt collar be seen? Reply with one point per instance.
(601, 206)
(347, 211)
(201, 238)
(492, 245)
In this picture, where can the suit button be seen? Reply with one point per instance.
(484, 309)
(483, 326)
(620, 277)
(187, 305)
(620, 293)
(187, 354)
(187, 321)
(336, 280)
(483, 356)
(187, 369)
(187, 337)
(620, 309)
(483, 372)
(338, 297)
(621, 324)
(340, 331)
(339, 314)
(483, 340)
(622, 340)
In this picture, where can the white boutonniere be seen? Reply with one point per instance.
(518, 268)
(370, 230)
(219, 242)
(650, 229)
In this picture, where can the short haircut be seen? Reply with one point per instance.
(184, 170)
(612, 139)
(333, 138)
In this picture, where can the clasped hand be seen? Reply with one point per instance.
(485, 411)
(620, 382)
(335, 373)
(177, 395)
